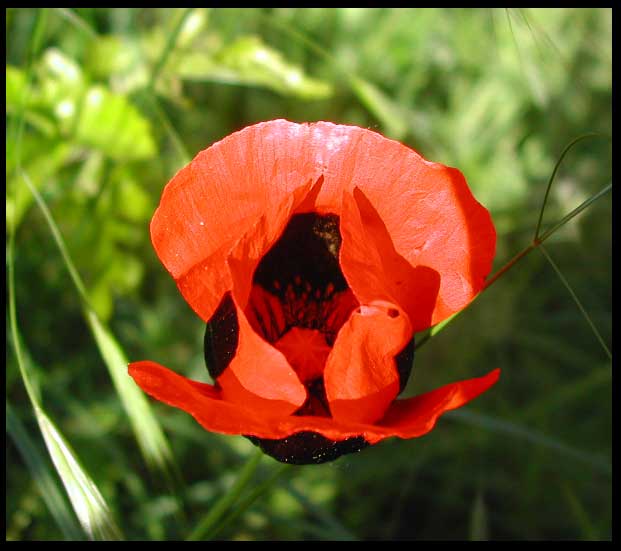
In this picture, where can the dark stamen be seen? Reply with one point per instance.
(221, 337)
(306, 253)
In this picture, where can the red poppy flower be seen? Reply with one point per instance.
(314, 252)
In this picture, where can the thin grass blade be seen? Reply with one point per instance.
(148, 432)
(244, 504)
(168, 48)
(567, 149)
(584, 313)
(334, 529)
(595, 461)
(223, 505)
(580, 513)
(77, 21)
(88, 503)
(479, 530)
(41, 473)
(90, 507)
(382, 107)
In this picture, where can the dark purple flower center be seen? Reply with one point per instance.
(298, 303)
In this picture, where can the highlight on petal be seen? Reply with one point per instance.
(408, 418)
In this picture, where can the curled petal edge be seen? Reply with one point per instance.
(408, 418)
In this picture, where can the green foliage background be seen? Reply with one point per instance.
(115, 101)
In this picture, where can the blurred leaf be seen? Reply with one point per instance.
(193, 26)
(61, 67)
(15, 86)
(135, 203)
(478, 520)
(110, 123)
(43, 157)
(390, 115)
(18, 98)
(61, 85)
(43, 477)
(111, 55)
(251, 62)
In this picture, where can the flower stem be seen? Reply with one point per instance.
(168, 48)
(220, 508)
(244, 504)
(553, 175)
(576, 300)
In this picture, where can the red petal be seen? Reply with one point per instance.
(417, 416)
(259, 376)
(428, 210)
(360, 376)
(406, 419)
(212, 202)
(250, 249)
(376, 271)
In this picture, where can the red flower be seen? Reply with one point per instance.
(315, 252)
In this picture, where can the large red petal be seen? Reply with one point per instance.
(430, 214)
(406, 419)
(376, 271)
(427, 208)
(216, 199)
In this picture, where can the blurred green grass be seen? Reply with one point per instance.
(119, 98)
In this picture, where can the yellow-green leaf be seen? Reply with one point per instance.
(249, 61)
(110, 123)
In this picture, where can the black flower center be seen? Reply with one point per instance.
(298, 303)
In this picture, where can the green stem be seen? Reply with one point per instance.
(227, 500)
(77, 280)
(184, 155)
(534, 245)
(168, 48)
(548, 233)
(553, 175)
(39, 27)
(575, 212)
(245, 503)
(576, 300)
(77, 21)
